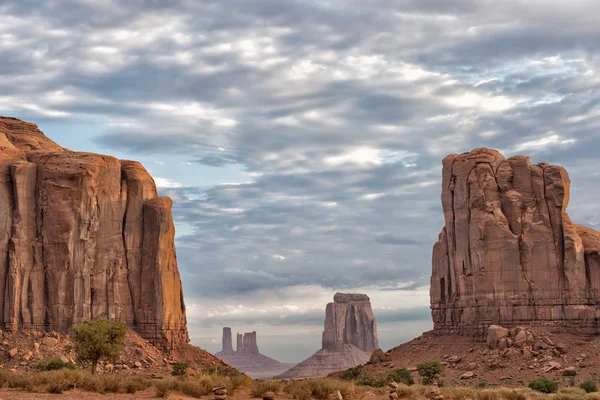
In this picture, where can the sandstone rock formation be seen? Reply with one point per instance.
(349, 338)
(509, 254)
(83, 236)
(248, 358)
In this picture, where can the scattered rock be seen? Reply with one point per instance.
(494, 334)
(569, 371)
(13, 352)
(268, 396)
(552, 366)
(28, 356)
(393, 385)
(379, 356)
(49, 341)
(467, 375)
(335, 396)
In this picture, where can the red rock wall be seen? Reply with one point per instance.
(84, 236)
(509, 253)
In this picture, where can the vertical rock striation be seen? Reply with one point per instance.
(509, 253)
(84, 236)
(349, 338)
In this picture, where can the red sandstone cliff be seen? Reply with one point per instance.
(509, 253)
(84, 236)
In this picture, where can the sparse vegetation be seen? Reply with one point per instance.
(54, 365)
(180, 368)
(543, 385)
(262, 387)
(430, 371)
(401, 375)
(97, 340)
(589, 386)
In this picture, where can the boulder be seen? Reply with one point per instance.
(495, 333)
(569, 371)
(268, 396)
(337, 395)
(13, 352)
(49, 341)
(379, 356)
(467, 375)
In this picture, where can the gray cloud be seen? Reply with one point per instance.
(338, 113)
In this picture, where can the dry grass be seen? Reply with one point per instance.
(201, 384)
(262, 387)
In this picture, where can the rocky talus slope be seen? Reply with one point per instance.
(349, 338)
(84, 236)
(247, 358)
(509, 253)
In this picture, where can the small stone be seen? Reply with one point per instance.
(36, 346)
(137, 364)
(220, 396)
(569, 371)
(49, 341)
(108, 367)
(64, 359)
(28, 356)
(13, 352)
(467, 375)
(548, 341)
(220, 391)
(268, 396)
(335, 396)
(471, 366)
(393, 396)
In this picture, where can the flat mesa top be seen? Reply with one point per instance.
(350, 298)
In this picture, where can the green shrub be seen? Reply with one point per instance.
(54, 365)
(429, 371)
(352, 373)
(97, 340)
(544, 385)
(180, 368)
(589, 386)
(401, 375)
(373, 381)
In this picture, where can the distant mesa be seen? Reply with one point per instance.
(349, 338)
(247, 358)
(509, 254)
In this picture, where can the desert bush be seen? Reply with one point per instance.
(488, 394)
(460, 393)
(134, 385)
(511, 394)
(261, 387)
(180, 368)
(543, 385)
(401, 375)
(97, 340)
(165, 386)
(589, 386)
(429, 370)
(592, 396)
(352, 373)
(406, 392)
(377, 381)
(319, 388)
(54, 365)
(196, 387)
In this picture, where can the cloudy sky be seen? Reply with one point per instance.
(302, 140)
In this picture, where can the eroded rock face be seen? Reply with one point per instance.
(84, 236)
(509, 253)
(349, 338)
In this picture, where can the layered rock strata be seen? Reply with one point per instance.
(84, 236)
(349, 338)
(509, 253)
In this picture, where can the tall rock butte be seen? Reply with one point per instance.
(84, 236)
(349, 338)
(509, 253)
